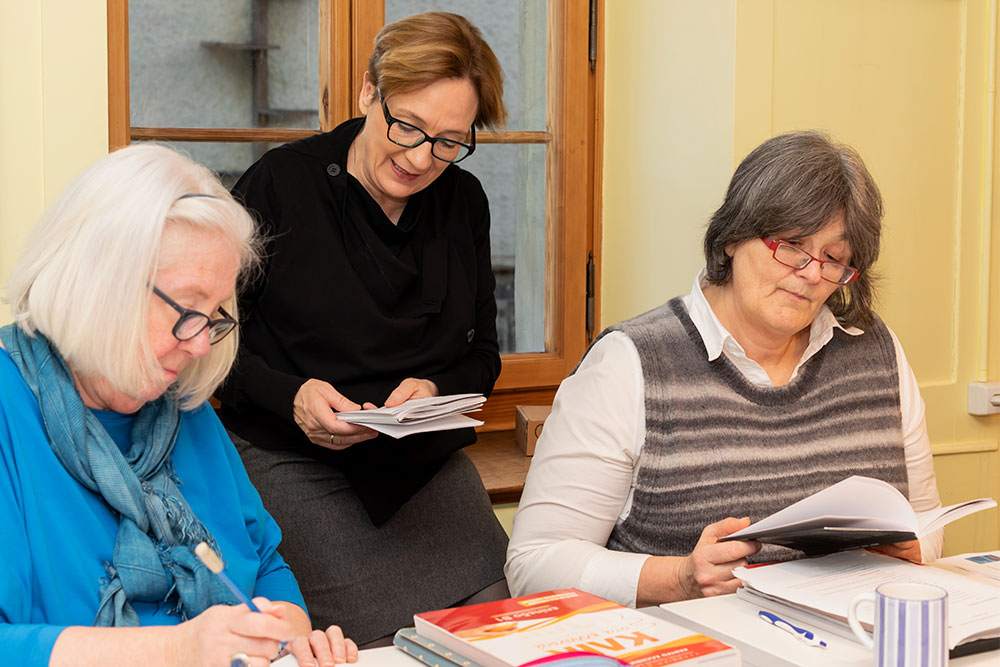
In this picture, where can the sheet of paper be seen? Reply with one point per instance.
(439, 424)
(849, 498)
(386, 656)
(984, 563)
(831, 582)
(933, 519)
(416, 409)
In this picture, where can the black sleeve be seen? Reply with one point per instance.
(252, 382)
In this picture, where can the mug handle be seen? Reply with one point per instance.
(852, 618)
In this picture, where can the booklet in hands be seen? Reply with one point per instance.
(855, 512)
(418, 415)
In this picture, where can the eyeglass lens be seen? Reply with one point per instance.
(797, 258)
(409, 136)
(192, 324)
(219, 330)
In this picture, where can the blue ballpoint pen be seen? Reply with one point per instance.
(803, 634)
(212, 561)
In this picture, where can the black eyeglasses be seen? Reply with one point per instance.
(410, 136)
(191, 322)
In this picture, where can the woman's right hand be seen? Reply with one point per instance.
(706, 571)
(217, 634)
(709, 569)
(314, 411)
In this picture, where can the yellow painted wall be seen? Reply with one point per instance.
(909, 84)
(53, 107)
(668, 150)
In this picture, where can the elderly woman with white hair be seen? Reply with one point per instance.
(112, 465)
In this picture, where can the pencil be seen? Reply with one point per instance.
(212, 561)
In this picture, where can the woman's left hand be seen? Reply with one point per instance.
(906, 550)
(315, 648)
(323, 649)
(411, 388)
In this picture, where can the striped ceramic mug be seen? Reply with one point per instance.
(910, 621)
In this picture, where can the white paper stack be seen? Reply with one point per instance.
(436, 413)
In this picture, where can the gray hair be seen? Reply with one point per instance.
(799, 182)
(83, 276)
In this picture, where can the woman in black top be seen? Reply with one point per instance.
(378, 289)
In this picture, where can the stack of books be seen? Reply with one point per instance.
(567, 622)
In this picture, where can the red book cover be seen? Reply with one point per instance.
(512, 632)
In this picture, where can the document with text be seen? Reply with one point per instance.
(828, 584)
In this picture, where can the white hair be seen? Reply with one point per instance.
(83, 278)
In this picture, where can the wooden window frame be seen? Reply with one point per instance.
(573, 194)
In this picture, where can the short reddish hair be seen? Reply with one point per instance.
(418, 50)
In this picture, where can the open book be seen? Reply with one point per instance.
(817, 591)
(855, 512)
(435, 413)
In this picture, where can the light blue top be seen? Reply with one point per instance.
(55, 535)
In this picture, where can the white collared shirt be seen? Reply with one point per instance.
(585, 465)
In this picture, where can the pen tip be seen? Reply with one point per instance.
(208, 557)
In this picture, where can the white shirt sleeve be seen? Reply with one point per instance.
(580, 481)
(917, 452)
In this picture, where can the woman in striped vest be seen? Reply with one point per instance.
(771, 380)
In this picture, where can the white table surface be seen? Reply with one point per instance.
(735, 621)
(387, 656)
(730, 620)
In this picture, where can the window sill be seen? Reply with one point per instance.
(501, 464)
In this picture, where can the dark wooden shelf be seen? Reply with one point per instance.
(501, 464)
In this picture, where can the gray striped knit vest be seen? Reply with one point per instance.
(717, 445)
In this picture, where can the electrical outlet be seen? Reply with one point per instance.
(984, 398)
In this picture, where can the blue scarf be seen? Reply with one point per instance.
(153, 559)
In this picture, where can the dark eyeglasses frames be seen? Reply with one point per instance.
(191, 322)
(409, 136)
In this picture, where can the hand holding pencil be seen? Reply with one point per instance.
(310, 647)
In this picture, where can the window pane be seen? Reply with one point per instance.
(513, 176)
(516, 31)
(514, 179)
(227, 159)
(240, 63)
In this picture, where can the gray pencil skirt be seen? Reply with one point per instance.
(444, 545)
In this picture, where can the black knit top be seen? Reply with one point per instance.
(351, 298)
